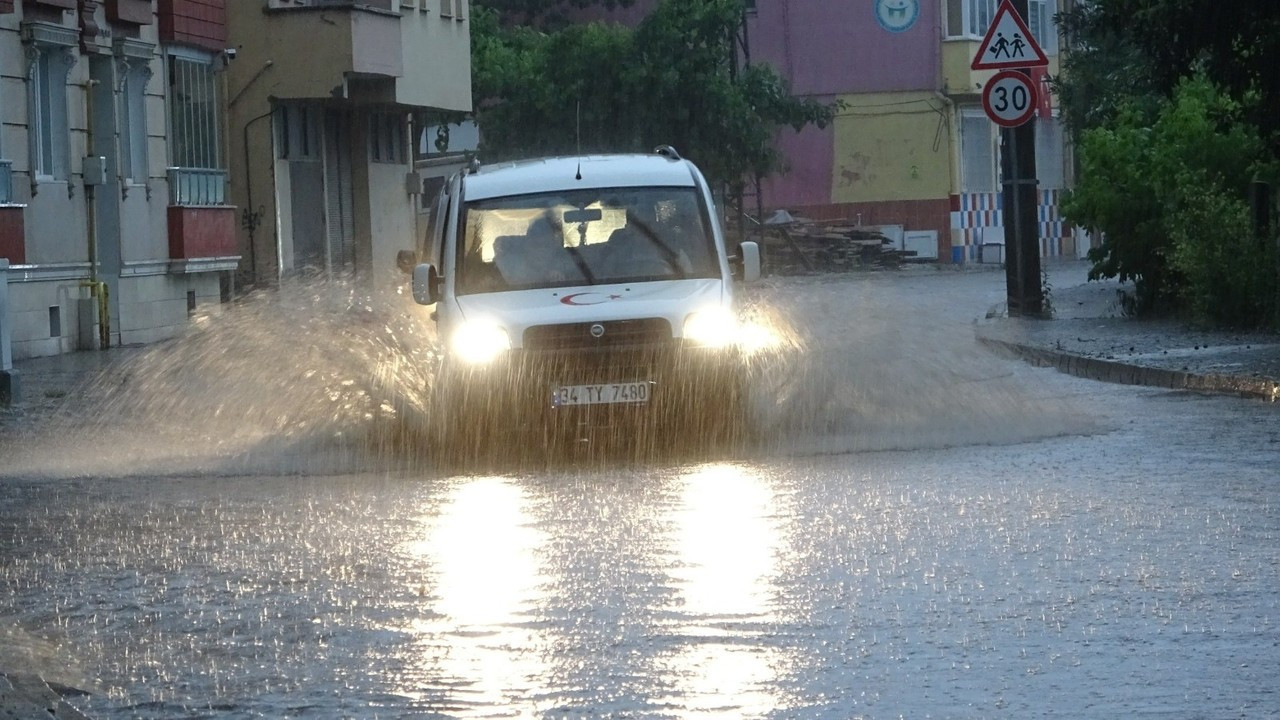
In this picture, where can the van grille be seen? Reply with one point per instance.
(618, 335)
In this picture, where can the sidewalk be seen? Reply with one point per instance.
(1090, 337)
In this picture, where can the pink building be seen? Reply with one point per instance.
(911, 150)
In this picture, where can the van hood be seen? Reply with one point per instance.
(519, 310)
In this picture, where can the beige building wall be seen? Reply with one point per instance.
(393, 219)
(373, 62)
(151, 295)
(432, 48)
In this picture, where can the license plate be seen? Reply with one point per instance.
(603, 394)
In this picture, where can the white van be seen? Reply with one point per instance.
(581, 292)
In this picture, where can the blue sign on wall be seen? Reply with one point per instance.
(897, 15)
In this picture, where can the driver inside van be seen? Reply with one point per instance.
(535, 258)
(646, 247)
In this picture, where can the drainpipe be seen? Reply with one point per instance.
(953, 182)
(97, 289)
(250, 218)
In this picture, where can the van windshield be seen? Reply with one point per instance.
(584, 237)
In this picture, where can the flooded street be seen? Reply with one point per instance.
(924, 530)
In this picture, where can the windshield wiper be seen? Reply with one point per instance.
(578, 260)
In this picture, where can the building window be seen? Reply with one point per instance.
(6, 181)
(298, 131)
(49, 127)
(133, 120)
(196, 174)
(6, 167)
(387, 138)
(972, 19)
(1050, 154)
(978, 152)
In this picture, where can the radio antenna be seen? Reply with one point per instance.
(578, 137)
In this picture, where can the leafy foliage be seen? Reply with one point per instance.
(1168, 189)
(1166, 156)
(545, 13)
(666, 82)
(1126, 49)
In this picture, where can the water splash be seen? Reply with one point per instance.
(879, 363)
(321, 377)
(304, 378)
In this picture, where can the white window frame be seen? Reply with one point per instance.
(976, 17)
(387, 134)
(183, 64)
(299, 131)
(987, 139)
(134, 73)
(51, 55)
(1051, 153)
(197, 168)
(134, 167)
(6, 166)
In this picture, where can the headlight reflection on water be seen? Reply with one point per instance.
(476, 648)
(484, 642)
(728, 545)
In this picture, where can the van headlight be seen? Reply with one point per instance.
(478, 343)
(713, 327)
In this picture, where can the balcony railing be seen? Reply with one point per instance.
(6, 181)
(197, 186)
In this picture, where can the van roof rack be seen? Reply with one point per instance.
(668, 152)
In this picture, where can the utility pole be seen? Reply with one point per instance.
(1021, 200)
(738, 42)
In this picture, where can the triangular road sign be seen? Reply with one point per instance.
(1008, 44)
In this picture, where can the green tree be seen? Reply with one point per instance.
(1168, 189)
(1121, 49)
(599, 87)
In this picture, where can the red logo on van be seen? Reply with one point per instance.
(588, 298)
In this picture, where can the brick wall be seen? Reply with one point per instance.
(6, 6)
(201, 232)
(12, 235)
(201, 23)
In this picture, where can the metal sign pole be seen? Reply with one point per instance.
(1022, 233)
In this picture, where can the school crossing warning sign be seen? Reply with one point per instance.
(1008, 44)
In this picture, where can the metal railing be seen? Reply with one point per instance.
(6, 181)
(197, 186)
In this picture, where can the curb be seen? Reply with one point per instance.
(29, 697)
(1126, 374)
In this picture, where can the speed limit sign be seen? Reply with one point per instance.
(1009, 98)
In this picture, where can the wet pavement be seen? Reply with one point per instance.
(947, 533)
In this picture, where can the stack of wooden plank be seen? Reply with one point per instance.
(804, 245)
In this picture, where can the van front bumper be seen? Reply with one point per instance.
(525, 389)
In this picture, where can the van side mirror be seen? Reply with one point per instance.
(746, 264)
(426, 284)
(406, 260)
